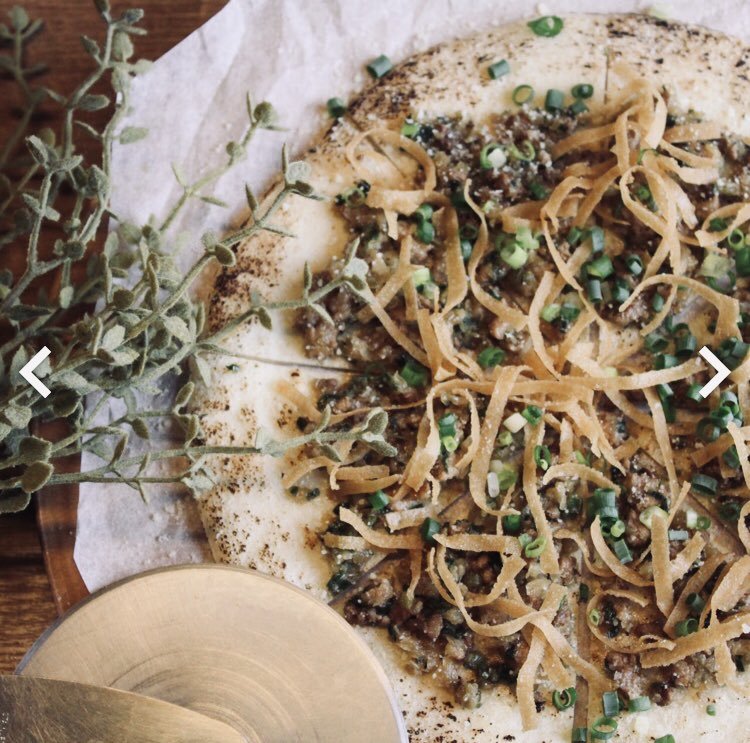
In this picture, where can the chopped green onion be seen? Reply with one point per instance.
(550, 313)
(693, 392)
(677, 535)
(449, 443)
(410, 129)
(512, 523)
(731, 458)
(704, 484)
(528, 154)
(535, 548)
(665, 739)
(564, 699)
(691, 518)
(583, 592)
(569, 312)
(596, 235)
(686, 627)
(523, 94)
(665, 361)
(634, 264)
(428, 529)
(514, 255)
(579, 107)
(579, 735)
(379, 500)
(447, 425)
(594, 290)
(506, 478)
(657, 302)
(542, 457)
(490, 357)
(736, 238)
(604, 728)
(547, 25)
(505, 438)
(380, 66)
(617, 529)
(414, 374)
(575, 235)
(336, 107)
(639, 704)
(622, 551)
(695, 603)
(664, 391)
(729, 511)
(538, 191)
(708, 430)
(655, 342)
(711, 710)
(685, 345)
(582, 90)
(467, 248)
(425, 232)
(742, 261)
(595, 617)
(421, 276)
(610, 703)
(533, 414)
(717, 224)
(526, 239)
(647, 515)
(498, 69)
(704, 523)
(524, 540)
(554, 100)
(621, 291)
(492, 156)
(601, 267)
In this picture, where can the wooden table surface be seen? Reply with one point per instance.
(26, 605)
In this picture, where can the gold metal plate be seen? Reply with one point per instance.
(42, 711)
(251, 651)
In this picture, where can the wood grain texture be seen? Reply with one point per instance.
(26, 600)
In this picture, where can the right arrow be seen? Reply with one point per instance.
(722, 372)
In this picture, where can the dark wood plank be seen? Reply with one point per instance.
(27, 604)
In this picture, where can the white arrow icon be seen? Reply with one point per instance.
(722, 372)
(28, 371)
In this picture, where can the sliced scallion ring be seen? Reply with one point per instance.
(522, 94)
(604, 728)
(582, 90)
(547, 25)
(564, 699)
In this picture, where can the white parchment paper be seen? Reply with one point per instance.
(296, 54)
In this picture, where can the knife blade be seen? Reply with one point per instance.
(34, 710)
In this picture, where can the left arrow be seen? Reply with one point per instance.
(27, 372)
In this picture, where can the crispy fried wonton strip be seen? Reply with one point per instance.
(660, 564)
(391, 199)
(454, 263)
(661, 432)
(548, 559)
(379, 538)
(698, 642)
(527, 674)
(579, 471)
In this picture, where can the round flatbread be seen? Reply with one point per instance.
(275, 514)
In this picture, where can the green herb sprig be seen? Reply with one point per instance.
(121, 320)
